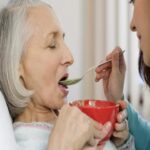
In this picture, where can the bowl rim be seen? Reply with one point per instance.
(116, 105)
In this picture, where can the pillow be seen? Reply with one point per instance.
(7, 139)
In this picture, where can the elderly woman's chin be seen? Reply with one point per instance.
(61, 103)
(57, 103)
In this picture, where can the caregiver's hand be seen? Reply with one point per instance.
(121, 132)
(113, 75)
(73, 130)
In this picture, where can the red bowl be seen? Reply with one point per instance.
(101, 111)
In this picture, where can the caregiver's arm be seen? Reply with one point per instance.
(129, 145)
(113, 75)
(139, 128)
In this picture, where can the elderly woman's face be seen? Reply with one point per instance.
(46, 59)
(141, 24)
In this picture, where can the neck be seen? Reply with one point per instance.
(36, 113)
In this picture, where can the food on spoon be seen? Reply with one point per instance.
(70, 81)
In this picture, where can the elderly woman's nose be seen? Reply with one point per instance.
(67, 57)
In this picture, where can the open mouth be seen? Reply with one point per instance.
(63, 79)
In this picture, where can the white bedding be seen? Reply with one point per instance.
(7, 139)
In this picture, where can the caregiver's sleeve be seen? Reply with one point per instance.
(129, 145)
(139, 128)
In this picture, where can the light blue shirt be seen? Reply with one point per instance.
(139, 128)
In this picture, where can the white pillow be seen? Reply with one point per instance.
(7, 139)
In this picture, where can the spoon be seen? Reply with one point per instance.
(68, 82)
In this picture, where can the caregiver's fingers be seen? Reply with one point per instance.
(122, 115)
(117, 50)
(103, 67)
(122, 104)
(121, 135)
(121, 130)
(103, 75)
(117, 59)
(122, 63)
(121, 126)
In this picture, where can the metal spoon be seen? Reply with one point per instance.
(76, 80)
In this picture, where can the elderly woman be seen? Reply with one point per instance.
(33, 60)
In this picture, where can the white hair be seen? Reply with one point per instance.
(15, 31)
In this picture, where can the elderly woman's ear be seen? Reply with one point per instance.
(21, 73)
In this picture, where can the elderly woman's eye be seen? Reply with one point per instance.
(52, 45)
